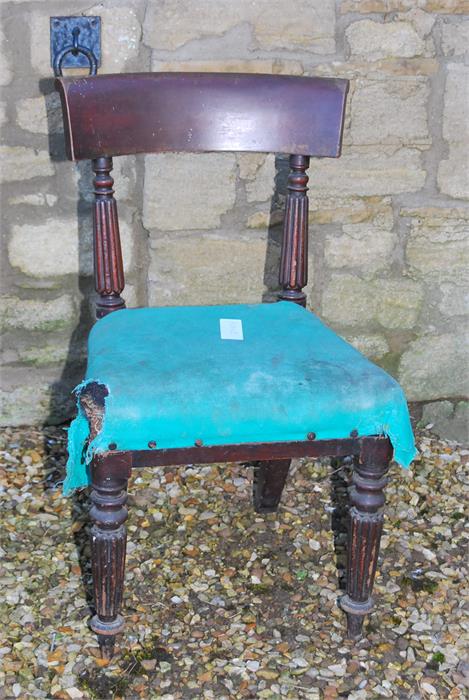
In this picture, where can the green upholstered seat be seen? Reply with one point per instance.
(172, 379)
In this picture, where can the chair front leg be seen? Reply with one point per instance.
(365, 527)
(269, 480)
(108, 545)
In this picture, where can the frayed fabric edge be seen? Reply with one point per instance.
(80, 449)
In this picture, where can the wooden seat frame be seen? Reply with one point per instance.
(114, 115)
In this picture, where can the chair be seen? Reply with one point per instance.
(258, 383)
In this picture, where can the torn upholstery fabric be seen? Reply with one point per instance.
(168, 377)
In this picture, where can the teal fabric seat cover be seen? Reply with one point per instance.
(171, 379)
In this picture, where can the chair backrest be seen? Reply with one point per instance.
(112, 115)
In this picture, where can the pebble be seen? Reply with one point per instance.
(242, 606)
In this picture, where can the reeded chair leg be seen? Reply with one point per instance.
(269, 480)
(108, 545)
(365, 527)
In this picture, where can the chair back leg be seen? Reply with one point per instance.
(269, 480)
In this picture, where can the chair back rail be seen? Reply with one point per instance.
(112, 115)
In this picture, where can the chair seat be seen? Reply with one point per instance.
(173, 380)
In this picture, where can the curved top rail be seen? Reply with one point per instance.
(111, 115)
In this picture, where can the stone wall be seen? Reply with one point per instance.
(389, 220)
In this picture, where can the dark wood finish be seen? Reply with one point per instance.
(365, 528)
(294, 259)
(269, 480)
(157, 112)
(108, 544)
(115, 115)
(108, 265)
(248, 452)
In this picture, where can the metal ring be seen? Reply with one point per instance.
(75, 49)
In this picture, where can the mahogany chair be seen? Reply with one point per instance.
(165, 385)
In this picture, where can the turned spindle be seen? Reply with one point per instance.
(294, 259)
(108, 266)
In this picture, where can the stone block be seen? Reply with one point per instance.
(38, 315)
(274, 66)
(348, 300)
(373, 346)
(455, 38)
(188, 191)
(6, 72)
(433, 367)
(366, 170)
(356, 68)
(265, 219)
(438, 240)
(366, 6)
(17, 408)
(332, 210)
(209, 270)
(55, 248)
(55, 353)
(34, 199)
(365, 246)
(451, 7)
(455, 294)
(22, 163)
(375, 40)
(447, 421)
(3, 114)
(32, 396)
(421, 20)
(392, 303)
(390, 111)
(306, 24)
(40, 115)
(350, 210)
(398, 303)
(120, 38)
(453, 172)
(249, 164)
(260, 187)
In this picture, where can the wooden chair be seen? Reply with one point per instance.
(163, 386)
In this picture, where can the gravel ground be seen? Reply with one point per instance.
(223, 603)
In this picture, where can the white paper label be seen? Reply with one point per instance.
(231, 329)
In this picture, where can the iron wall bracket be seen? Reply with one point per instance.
(75, 42)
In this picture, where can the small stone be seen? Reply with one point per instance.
(267, 675)
(252, 665)
(421, 627)
(74, 692)
(338, 669)
(300, 662)
(428, 688)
